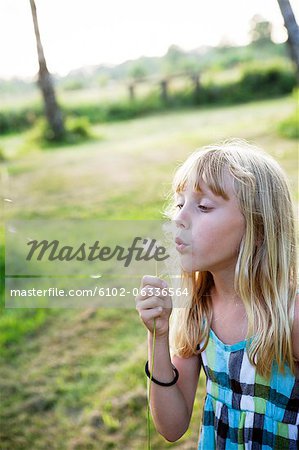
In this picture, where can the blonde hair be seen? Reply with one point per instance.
(265, 272)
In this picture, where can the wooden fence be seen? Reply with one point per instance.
(164, 84)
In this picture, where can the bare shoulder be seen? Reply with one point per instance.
(295, 330)
(189, 370)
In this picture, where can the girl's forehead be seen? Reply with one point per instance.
(221, 186)
(199, 188)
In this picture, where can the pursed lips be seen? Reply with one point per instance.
(180, 244)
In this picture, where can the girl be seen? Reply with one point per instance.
(235, 239)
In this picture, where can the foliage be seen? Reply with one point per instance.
(73, 85)
(2, 156)
(121, 110)
(16, 324)
(256, 82)
(74, 379)
(268, 81)
(137, 72)
(15, 86)
(78, 128)
(174, 60)
(289, 127)
(77, 131)
(2, 270)
(15, 120)
(203, 58)
(261, 30)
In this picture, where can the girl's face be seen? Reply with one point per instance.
(209, 229)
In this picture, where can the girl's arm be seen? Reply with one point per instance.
(172, 406)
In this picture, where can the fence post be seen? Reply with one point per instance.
(132, 91)
(164, 90)
(196, 84)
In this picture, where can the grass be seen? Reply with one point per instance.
(73, 379)
(256, 81)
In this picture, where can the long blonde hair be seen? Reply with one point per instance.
(265, 272)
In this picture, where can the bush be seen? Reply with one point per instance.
(12, 121)
(256, 83)
(78, 127)
(289, 127)
(2, 272)
(73, 85)
(77, 130)
(2, 156)
(261, 81)
(121, 110)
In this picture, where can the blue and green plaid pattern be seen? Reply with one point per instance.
(243, 410)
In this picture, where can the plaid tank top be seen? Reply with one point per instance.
(243, 410)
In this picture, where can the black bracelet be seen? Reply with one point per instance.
(160, 383)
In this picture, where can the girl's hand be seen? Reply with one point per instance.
(154, 302)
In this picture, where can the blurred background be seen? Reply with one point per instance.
(99, 102)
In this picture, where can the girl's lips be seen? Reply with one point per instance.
(180, 245)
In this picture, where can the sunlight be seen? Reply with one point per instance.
(76, 34)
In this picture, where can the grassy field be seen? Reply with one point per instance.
(74, 379)
(110, 92)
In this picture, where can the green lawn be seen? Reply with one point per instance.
(74, 379)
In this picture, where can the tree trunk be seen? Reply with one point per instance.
(293, 31)
(52, 110)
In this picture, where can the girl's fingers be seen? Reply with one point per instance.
(153, 281)
(149, 314)
(151, 302)
(152, 291)
(154, 302)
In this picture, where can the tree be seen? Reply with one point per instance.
(293, 31)
(137, 72)
(52, 110)
(173, 59)
(260, 30)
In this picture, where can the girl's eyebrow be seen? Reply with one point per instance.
(200, 193)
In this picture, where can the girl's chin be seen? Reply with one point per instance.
(189, 265)
(189, 268)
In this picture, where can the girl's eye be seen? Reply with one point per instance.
(204, 208)
(201, 207)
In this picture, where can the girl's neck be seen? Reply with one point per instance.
(223, 292)
(229, 319)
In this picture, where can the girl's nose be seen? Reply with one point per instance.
(181, 220)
